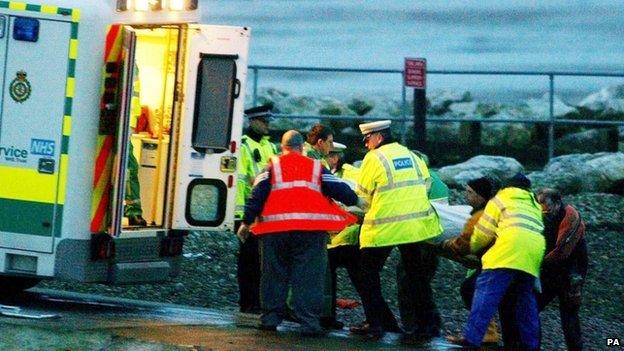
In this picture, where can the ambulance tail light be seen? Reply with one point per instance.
(230, 181)
(102, 247)
(233, 147)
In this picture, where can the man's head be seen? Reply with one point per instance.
(375, 133)
(335, 155)
(259, 118)
(321, 138)
(519, 180)
(292, 141)
(480, 190)
(551, 202)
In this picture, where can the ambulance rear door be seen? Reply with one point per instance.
(210, 127)
(37, 90)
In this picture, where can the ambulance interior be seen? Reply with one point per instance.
(156, 57)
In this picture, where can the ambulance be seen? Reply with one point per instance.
(71, 72)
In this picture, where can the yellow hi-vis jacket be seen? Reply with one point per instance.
(349, 235)
(393, 182)
(250, 165)
(512, 220)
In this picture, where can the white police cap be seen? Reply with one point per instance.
(367, 128)
(338, 147)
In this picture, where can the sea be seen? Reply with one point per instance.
(578, 36)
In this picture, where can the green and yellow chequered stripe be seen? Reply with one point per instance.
(48, 9)
(38, 206)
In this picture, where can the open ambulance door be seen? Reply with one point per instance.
(120, 163)
(210, 127)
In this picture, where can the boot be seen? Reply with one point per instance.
(492, 335)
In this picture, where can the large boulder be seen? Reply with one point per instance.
(457, 175)
(608, 100)
(588, 141)
(540, 108)
(571, 174)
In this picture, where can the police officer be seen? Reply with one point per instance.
(343, 247)
(393, 183)
(256, 150)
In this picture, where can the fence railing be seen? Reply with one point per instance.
(406, 116)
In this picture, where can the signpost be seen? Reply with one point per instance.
(415, 76)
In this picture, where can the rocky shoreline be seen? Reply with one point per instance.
(208, 278)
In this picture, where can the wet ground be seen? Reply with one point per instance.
(92, 322)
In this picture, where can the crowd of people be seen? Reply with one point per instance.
(302, 213)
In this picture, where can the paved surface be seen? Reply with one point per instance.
(178, 326)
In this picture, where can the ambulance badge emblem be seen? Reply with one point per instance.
(20, 88)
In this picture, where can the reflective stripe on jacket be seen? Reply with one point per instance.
(296, 201)
(393, 182)
(249, 168)
(512, 224)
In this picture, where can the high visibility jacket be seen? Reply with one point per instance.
(393, 182)
(251, 163)
(512, 220)
(309, 151)
(296, 201)
(135, 99)
(349, 235)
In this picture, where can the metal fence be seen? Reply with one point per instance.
(406, 116)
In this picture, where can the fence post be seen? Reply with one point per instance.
(404, 113)
(255, 86)
(551, 124)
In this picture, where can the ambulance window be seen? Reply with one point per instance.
(205, 205)
(217, 88)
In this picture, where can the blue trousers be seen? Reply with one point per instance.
(511, 291)
(298, 260)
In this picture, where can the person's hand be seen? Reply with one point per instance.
(243, 232)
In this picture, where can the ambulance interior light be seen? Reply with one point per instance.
(156, 5)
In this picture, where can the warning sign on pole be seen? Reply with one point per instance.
(415, 74)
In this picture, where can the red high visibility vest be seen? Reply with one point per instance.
(296, 202)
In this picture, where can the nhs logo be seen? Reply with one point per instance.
(42, 147)
(402, 163)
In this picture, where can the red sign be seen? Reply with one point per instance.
(415, 74)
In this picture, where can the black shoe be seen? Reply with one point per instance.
(251, 310)
(137, 221)
(412, 339)
(365, 329)
(360, 329)
(313, 333)
(331, 323)
(270, 328)
(393, 329)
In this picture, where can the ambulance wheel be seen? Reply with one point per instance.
(13, 285)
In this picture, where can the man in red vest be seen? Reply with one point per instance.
(290, 212)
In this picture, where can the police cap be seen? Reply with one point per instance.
(263, 111)
(367, 128)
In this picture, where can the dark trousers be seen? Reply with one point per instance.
(560, 283)
(511, 291)
(467, 289)
(377, 312)
(419, 314)
(347, 256)
(248, 273)
(298, 260)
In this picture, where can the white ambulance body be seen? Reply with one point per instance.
(70, 70)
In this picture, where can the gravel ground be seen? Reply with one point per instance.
(208, 278)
